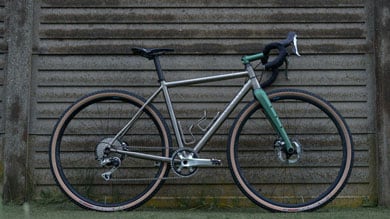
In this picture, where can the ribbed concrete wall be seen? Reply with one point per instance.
(83, 46)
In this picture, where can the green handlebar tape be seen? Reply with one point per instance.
(249, 58)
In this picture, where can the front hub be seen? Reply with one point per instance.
(290, 157)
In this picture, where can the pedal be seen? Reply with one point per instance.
(216, 162)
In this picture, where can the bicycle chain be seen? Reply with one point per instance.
(148, 179)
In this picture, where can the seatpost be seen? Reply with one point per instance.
(160, 73)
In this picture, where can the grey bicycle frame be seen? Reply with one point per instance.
(252, 83)
(226, 112)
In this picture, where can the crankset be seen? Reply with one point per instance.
(185, 162)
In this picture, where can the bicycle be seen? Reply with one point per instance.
(288, 150)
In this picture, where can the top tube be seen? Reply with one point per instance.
(207, 79)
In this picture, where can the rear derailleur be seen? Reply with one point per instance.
(108, 159)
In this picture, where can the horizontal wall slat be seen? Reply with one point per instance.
(220, 94)
(199, 46)
(78, 160)
(202, 15)
(195, 111)
(81, 78)
(199, 31)
(186, 62)
(356, 125)
(184, 193)
(202, 3)
(189, 114)
(215, 176)
(217, 143)
(269, 159)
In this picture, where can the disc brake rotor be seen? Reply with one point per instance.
(282, 154)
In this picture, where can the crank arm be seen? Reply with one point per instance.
(197, 162)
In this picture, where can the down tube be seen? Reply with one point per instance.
(226, 112)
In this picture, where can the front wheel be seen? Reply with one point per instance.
(310, 178)
(92, 175)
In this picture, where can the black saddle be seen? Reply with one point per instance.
(150, 53)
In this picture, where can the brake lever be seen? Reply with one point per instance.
(295, 46)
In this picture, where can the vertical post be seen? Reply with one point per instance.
(19, 29)
(382, 62)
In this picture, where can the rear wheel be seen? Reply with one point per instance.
(81, 159)
(308, 179)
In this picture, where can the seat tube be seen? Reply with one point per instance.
(172, 115)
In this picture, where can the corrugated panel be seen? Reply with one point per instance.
(84, 46)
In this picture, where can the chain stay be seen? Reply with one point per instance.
(191, 162)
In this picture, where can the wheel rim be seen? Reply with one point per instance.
(314, 180)
(79, 174)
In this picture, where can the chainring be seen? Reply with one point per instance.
(179, 162)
